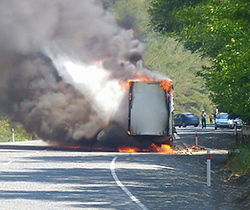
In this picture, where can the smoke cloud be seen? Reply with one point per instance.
(61, 66)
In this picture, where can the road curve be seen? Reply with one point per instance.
(34, 175)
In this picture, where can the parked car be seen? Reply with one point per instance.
(185, 119)
(222, 120)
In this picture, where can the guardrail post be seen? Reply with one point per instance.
(13, 134)
(208, 168)
(235, 128)
(196, 138)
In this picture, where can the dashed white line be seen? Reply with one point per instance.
(118, 182)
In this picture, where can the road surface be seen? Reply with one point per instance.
(35, 176)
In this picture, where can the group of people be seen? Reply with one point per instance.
(203, 118)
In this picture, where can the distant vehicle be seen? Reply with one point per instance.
(185, 119)
(222, 120)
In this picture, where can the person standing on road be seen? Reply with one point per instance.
(211, 118)
(203, 119)
(216, 113)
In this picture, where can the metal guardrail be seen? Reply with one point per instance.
(245, 130)
(243, 137)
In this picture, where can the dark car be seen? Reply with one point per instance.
(185, 119)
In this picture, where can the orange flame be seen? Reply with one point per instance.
(166, 84)
(195, 148)
(128, 83)
(164, 148)
(128, 150)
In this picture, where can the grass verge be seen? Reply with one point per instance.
(239, 160)
(6, 126)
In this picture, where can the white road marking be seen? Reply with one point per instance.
(8, 163)
(118, 182)
(27, 155)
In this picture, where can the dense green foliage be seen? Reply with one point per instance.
(166, 55)
(220, 31)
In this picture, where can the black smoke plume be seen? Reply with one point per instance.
(40, 40)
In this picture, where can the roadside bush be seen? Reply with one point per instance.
(239, 160)
(5, 131)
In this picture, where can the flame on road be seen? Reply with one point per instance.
(128, 150)
(163, 149)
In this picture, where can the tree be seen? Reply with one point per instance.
(166, 55)
(219, 30)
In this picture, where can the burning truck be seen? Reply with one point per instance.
(150, 114)
(147, 118)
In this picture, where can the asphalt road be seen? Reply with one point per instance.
(208, 137)
(35, 176)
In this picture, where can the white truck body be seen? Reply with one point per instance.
(150, 110)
